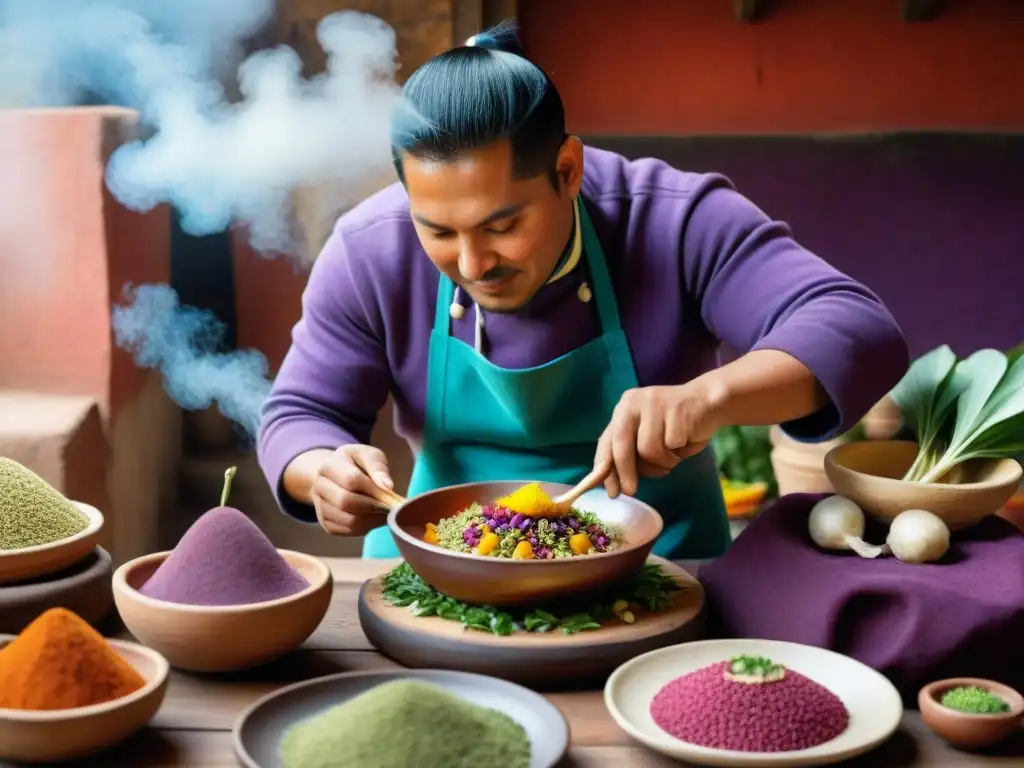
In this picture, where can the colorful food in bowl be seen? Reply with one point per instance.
(749, 704)
(525, 525)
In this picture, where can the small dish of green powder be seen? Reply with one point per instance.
(974, 700)
(32, 512)
(403, 719)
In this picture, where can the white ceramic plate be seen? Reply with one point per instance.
(873, 702)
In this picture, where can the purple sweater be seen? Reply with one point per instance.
(693, 263)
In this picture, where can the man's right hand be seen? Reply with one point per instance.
(342, 490)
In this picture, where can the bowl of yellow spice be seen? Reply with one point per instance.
(67, 692)
(506, 543)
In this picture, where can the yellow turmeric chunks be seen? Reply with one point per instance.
(580, 543)
(488, 543)
(431, 534)
(523, 551)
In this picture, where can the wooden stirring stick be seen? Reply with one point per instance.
(597, 476)
(387, 499)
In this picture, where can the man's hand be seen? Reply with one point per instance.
(342, 490)
(654, 428)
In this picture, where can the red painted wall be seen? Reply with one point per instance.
(677, 67)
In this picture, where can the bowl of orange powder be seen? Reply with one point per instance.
(67, 692)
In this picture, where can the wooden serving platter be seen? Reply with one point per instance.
(547, 660)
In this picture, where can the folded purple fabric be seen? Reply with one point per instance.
(963, 616)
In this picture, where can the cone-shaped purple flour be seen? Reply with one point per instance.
(223, 559)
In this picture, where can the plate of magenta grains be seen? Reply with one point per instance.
(753, 703)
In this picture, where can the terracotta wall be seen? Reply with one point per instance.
(681, 67)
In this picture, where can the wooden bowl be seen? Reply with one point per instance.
(27, 563)
(503, 582)
(203, 638)
(32, 736)
(968, 730)
(83, 588)
(868, 473)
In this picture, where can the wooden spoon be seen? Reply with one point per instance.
(597, 476)
(387, 500)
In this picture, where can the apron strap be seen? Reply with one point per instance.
(442, 309)
(604, 293)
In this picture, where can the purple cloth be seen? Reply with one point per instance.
(962, 616)
(693, 263)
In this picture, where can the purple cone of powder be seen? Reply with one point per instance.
(223, 559)
(708, 710)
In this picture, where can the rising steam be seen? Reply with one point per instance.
(219, 161)
(186, 345)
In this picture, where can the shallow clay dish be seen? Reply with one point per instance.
(873, 702)
(967, 730)
(84, 589)
(68, 734)
(27, 563)
(868, 473)
(204, 638)
(501, 582)
(259, 730)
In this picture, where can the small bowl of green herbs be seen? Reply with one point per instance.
(971, 712)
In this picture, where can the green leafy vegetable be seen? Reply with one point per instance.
(651, 590)
(962, 410)
(744, 455)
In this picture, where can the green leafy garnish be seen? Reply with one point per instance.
(963, 410)
(744, 455)
(651, 590)
(974, 700)
(753, 666)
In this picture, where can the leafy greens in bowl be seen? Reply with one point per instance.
(961, 410)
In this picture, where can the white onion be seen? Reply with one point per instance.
(918, 536)
(836, 522)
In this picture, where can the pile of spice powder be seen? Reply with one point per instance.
(713, 708)
(223, 559)
(60, 662)
(33, 512)
(406, 724)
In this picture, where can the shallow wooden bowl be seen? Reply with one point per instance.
(502, 582)
(31, 736)
(868, 473)
(84, 589)
(27, 563)
(967, 730)
(203, 638)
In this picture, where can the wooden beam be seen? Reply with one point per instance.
(920, 10)
(747, 10)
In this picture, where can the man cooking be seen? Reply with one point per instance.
(536, 307)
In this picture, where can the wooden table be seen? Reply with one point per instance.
(193, 728)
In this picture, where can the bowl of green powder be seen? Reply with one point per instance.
(427, 718)
(41, 531)
(971, 712)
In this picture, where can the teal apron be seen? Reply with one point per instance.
(486, 423)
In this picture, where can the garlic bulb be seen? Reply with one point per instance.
(836, 522)
(918, 536)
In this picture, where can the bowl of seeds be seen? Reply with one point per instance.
(41, 530)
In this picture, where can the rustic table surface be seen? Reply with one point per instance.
(193, 728)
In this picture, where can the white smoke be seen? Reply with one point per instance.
(219, 161)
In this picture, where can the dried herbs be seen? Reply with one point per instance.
(651, 590)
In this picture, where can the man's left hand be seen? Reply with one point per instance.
(654, 428)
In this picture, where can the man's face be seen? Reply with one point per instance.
(497, 238)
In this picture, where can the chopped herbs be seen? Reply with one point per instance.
(754, 669)
(974, 700)
(651, 590)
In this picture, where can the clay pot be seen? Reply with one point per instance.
(799, 467)
(964, 729)
(869, 473)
